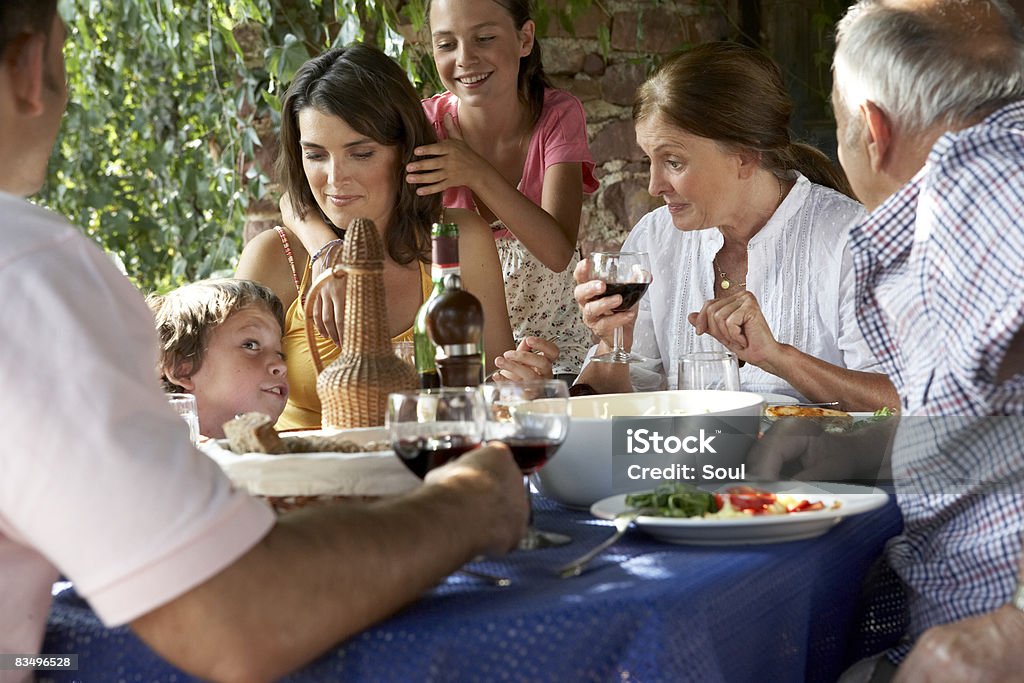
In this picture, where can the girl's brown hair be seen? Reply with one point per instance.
(735, 95)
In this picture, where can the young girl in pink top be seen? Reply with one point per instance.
(514, 150)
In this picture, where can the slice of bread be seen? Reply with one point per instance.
(831, 420)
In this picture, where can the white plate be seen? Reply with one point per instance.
(762, 528)
(778, 400)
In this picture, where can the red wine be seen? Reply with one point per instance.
(531, 454)
(422, 454)
(630, 291)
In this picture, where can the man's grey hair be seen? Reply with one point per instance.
(948, 64)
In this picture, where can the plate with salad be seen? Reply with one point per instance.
(741, 513)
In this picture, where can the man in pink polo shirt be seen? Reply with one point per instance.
(99, 481)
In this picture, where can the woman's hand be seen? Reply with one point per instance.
(448, 163)
(532, 359)
(738, 323)
(329, 307)
(599, 310)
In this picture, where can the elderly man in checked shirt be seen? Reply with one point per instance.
(929, 102)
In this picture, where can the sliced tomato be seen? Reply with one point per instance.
(806, 506)
(747, 498)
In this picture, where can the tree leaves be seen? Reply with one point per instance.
(170, 104)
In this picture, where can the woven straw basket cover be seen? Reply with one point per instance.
(354, 389)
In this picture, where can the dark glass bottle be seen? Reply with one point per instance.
(444, 253)
(455, 324)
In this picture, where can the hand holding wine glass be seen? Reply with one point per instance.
(432, 427)
(428, 428)
(530, 417)
(627, 274)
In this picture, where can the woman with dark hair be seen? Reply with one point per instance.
(350, 122)
(514, 150)
(750, 250)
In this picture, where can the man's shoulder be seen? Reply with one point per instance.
(996, 141)
(25, 227)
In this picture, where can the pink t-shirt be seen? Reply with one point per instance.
(560, 136)
(98, 479)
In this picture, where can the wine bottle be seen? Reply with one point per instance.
(444, 253)
(455, 324)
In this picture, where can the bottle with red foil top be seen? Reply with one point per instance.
(455, 324)
(444, 252)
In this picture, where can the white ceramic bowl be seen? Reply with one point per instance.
(580, 472)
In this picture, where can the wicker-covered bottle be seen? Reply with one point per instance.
(354, 389)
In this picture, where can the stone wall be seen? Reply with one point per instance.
(640, 32)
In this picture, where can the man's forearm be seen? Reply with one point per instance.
(320, 576)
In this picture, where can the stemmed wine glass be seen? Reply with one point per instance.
(428, 428)
(530, 417)
(627, 273)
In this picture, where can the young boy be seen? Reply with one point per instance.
(220, 340)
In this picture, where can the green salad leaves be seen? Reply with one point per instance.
(674, 500)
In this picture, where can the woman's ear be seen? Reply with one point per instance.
(181, 375)
(747, 163)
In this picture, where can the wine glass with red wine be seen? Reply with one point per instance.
(427, 428)
(531, 418)
(627, 273)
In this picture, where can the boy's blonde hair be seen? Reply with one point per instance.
(187, 316)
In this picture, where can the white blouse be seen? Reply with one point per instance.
(798, 267)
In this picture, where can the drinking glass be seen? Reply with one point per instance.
(531, 418)
(427, 428)
(709, 370)
(185, 405)
(627, 273)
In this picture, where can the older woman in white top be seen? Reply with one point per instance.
(750, 250)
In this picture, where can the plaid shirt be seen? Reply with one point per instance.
(940, 296)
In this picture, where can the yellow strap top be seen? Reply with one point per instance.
(303, 408)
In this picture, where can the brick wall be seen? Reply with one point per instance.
(639, 31)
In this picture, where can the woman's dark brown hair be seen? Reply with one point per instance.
(371, 93)
(735, 95)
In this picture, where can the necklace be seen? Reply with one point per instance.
(725, 284)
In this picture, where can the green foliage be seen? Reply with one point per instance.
(171, 105)
(167, 102)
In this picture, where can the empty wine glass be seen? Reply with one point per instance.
(709, 370)
(531, 418)
(627, 273)
(428, 428)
